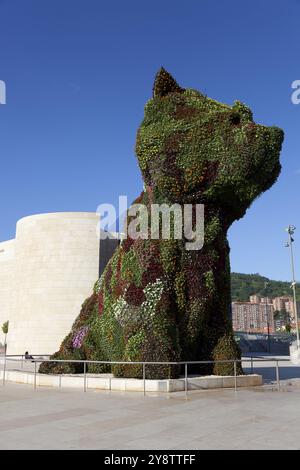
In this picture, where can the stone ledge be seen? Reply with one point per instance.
(108, 382)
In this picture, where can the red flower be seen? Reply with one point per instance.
(126, 244)
(134, 295)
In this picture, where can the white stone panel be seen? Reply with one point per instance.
(45, 275)
(7, 282)
(134, 385)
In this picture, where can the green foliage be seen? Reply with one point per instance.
(134, 345)
(210, 282)
(244, 285)
(168, 255)
(5, 327)
(131, 270)
(164, 84)
(180, 290)
(212, 229)
(226, 348)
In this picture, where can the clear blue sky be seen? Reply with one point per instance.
(78, 73)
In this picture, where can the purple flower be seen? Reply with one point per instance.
(79, 337)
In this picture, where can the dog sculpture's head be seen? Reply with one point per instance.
(191, 148)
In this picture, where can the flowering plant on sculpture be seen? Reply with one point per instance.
(79, 337)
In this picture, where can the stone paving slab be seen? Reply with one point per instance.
(257, 418)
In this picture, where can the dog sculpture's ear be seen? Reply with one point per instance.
(164, 84)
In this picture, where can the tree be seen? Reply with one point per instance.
(5, 331)
(244, 285)
(277, 315)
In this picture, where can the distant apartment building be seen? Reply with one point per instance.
(255, 315)
(255, 299)
(265, 300)
(289, 307)
(252, 316)
(279, 303)
(286, 303)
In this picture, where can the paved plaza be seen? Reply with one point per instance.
(49, 418)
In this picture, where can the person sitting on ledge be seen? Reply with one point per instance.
(27, 356)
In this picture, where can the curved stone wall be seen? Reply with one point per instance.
(52, 270)
(7, 281)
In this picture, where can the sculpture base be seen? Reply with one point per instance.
(108, 382)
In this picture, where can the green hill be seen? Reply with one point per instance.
(244, 285)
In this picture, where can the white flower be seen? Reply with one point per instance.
(153, 294)
(125, 313)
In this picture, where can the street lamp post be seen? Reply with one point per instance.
(267, 316)
(268, 324)
(290, 230)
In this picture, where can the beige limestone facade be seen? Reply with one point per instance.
(46, 273)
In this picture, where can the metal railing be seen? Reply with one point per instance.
(41, 359)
